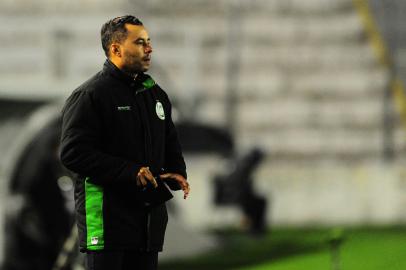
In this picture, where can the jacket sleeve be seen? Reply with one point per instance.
(81, 143)
(174, 161)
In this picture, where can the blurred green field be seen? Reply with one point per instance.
(303, 249)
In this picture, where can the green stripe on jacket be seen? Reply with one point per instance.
(94, 216)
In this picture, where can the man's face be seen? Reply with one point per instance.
(136, 50)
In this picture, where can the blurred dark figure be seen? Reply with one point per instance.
(37, 227)
(236, 188)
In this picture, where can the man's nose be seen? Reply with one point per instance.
(148, 49)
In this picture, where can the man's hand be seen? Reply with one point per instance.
(144, 176)
(181, 181)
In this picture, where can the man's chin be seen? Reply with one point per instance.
(145, 68)
(146, 65)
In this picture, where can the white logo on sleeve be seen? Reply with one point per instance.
(160, 110)
(94, 240)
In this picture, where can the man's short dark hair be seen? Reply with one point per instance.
(114, 31)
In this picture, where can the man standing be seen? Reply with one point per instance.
(119, 139)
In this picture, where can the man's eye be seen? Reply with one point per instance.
(143, 43)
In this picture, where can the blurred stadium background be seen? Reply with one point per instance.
(315, 84)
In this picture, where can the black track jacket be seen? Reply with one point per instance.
(112, 126)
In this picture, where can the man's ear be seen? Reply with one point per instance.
(115, 49)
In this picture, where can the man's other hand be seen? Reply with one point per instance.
(181, 181)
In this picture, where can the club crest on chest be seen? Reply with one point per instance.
(159, 108)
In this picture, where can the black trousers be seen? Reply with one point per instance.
(121, 260)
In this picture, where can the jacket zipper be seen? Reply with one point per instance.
(146, 142)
